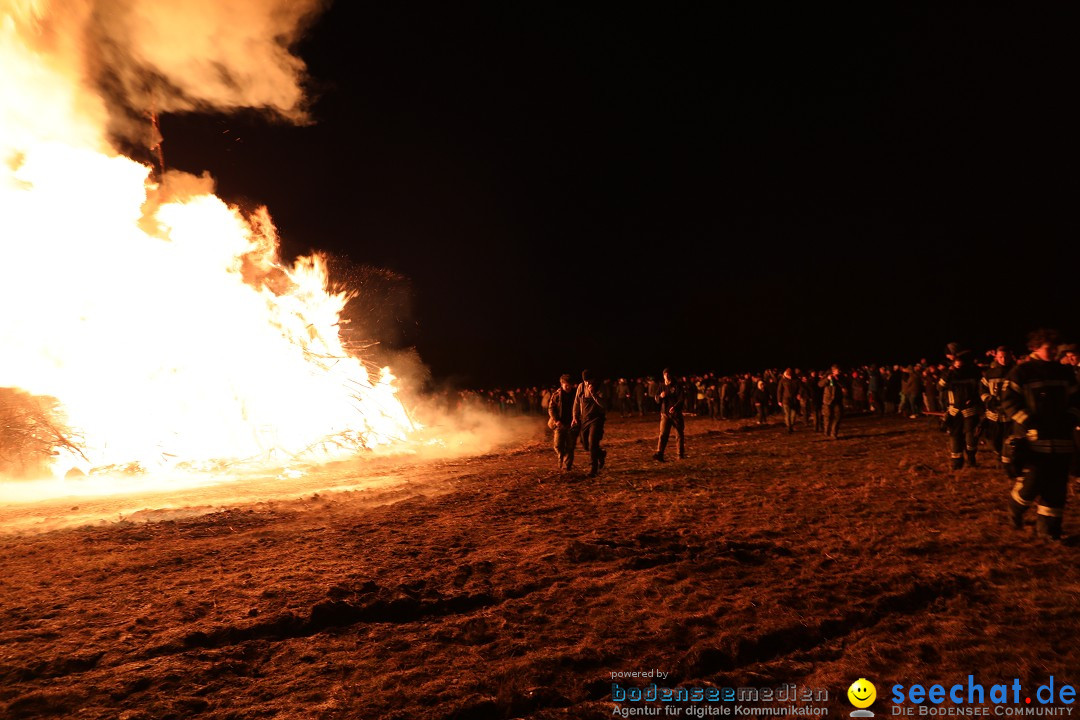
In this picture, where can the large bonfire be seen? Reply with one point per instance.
(143, 321)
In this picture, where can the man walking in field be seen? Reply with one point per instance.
(590, 412)
(560, 420)
(961, 389)
(832, 401)
(997, 424)
(671, 416)
(1043, 399)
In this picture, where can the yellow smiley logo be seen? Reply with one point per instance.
(862, 693)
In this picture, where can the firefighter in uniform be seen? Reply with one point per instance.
(1069, 355)
(590, 412)
(997, 424)
(1043, 400)
(561, 419)
(671, 416)
(960, 388)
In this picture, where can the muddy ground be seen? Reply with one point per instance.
(495, 587)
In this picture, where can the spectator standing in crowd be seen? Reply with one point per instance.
(892, 390)
(760, 399)
(858, 391)
(911, 392)
(639, 396)
(712, 399)
(787, 395)
(746, 389)
(653, 395)
(622, 391)
(873, 390)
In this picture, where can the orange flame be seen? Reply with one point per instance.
(159, 316)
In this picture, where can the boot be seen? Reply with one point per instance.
(658, 456)
(971, 458)
(1016, 514)
(1048, 527)
(957, 461)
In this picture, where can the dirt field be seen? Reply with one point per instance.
(494, 587)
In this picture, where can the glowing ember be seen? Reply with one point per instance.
(160, 317)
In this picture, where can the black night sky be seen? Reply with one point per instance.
(705, 188)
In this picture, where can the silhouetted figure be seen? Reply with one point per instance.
(961, 388)
(561, 420)
(590, 412)
(787, 395)
(760, 397)
(672, 398)
(911, 392)
(996, 423)
(832, 401)
(712, 399)
(1043, 400)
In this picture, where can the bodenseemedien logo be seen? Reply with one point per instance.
(862, 694)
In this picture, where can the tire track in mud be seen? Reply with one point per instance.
(742, 651)
(329, 614)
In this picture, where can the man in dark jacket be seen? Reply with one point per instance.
(911, 392)
(712, 399)
(997, 423)
(960, 388)
(832, 401)
(590, 412)
(561, 420)
(672, 396)
(1043, 400)
(760, 397)
(787, 395)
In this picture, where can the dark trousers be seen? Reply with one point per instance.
(667, 422)
(996, 432)
(962, 439)
(833, 414)
(564, 441)
(1045, 478)
(591, 435)
(762, 413)
(790, 413)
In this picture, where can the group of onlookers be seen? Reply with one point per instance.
(1028, 407)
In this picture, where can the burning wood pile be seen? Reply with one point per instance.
(32, 432)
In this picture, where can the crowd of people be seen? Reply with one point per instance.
(1027, 408)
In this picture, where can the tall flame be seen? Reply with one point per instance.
(159, 316)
